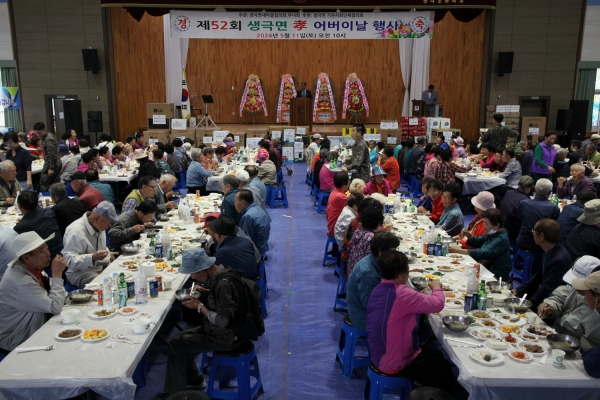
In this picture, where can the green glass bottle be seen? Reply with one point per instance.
(482, 296)
(123, 295)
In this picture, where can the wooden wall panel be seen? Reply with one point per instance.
(139, 67)
(456, 70)
(214, 66)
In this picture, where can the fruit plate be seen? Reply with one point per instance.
(95, 340)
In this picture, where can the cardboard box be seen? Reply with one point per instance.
(184, 134)
(157, 135)
(303, 130)
(393, 137)
(204, 135)
(535, 126)
(159, 115)
(262, 132)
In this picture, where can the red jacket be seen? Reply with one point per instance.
(392, 169)
(335, 205)
(437, 210)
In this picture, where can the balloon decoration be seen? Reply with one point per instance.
(253, 99)
(287, 91)
(355, 100)
(324, 107)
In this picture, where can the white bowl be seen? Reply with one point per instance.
(70, 315)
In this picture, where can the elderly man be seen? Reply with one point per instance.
(65, 209)
(568, 309)
(244, 178)
(313, 149)
(87, 195)
(26, 293)
(365, 276)
(92, 178)
(146, 189)
(360, 160)
(252, 171)
(220, 329)
(555, 263)
(585, 236)
(233, 251)
(21, 158)
(85, 244)
(131, 223)
(164, 192)
(254, 221)
(510, 204)
(512, 171)
(52, 163)
(570, 213)
(197, 175)
(7, 253)
(230, 185)
(593, 156)
(9, 186)
(452, 218)
(577, 183)
(530, 211)
(213, 250)
(40, 220)
(70, 162)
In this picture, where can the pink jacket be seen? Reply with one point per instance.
(400, 339)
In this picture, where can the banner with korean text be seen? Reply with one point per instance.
(290, 25)
(10, 97)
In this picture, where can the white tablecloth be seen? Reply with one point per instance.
(36, 168)
(479, 184)
(76, 366)
(213, 183)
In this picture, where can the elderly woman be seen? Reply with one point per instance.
(103, 160)
(326, 175)
(457, 144)
(371, 220)
(348, 214)
(356, 186)
(197, 175)
(482, 202)
(378, 184)
(491, 249)
(209, 163)
(267, 171)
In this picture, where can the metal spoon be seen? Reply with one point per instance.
(523, 299)
(47, 348)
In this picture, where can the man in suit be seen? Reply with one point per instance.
(430, 97)
(304, 92)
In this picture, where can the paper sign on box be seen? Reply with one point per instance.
(334, 142)
(220, 135)
(288, 137)
(236, 139)
(413, 121)
(288, 152)
(159, 119)
(300, 131)
(534, 131)
(207, 140)
(276, 135)
(391, 140)
(288, 131)
(152, 142)
(178, 123)
(253, 142)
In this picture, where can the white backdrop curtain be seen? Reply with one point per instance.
(176, 51)
(414, 65)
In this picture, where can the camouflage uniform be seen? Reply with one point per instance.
(498, 136)
(51, 161)
(360, 160)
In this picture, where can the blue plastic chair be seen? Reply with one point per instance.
(340, 295)
(322, 200)
(263, 294)
(279, 177)
(243, 359)
(182, 183)
(276, 191)
(332, 255)
(525, 266)
(309, 178)
(350, 338)
(379, 384)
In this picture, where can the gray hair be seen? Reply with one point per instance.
(5, 165)
(82, 182)
(58, 190)
(208, 151)
(230, 180)
(22, 134)
(591, 145)
(543, 187)
(581, 167)
(196, 154)
(562, 151)
(167, 178)
(187, 145)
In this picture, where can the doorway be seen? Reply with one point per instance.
(55, 112)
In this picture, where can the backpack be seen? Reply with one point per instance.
(252, 325)
(185, 161)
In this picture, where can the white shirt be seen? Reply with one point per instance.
(81, 240)
(110, 146)
(7, 253)
(342, 224)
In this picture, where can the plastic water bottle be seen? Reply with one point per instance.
(123, 295)
(16, 203)
(106, 292)
(398, 203)
(141, 288)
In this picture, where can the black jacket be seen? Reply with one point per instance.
(66, 211)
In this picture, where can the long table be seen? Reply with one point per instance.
(75, 366)
(474, 185)
(37, 167)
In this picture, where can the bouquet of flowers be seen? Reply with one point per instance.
(287, 91)
(355, 100)
(253, 99)
(324, 96)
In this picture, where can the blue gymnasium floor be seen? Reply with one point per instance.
(297, 353)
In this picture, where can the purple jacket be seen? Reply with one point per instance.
(584, 184)
(393, 321)
(546, 156)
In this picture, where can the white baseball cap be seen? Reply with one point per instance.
(582, 268)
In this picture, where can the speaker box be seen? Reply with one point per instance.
(73, 119)
(95, 121)
(505, 62)
(564, 119)
(90, 60)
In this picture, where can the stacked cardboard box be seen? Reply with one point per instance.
(159, 115)
(157, 135)
(413, 127)
(204, 135)
(511, 115)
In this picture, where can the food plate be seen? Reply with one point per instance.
(528, 337)
(451, 295)
(90, 334)
(102, 312)
(456, 256)
(514, 329)
(72, 331)
(127, 310)
(483, 333)
(520, 356)
(537, 349)
(129, 262)
(416, 274)
(498, 345)
(541, 331)
(487, 323)
(510, 319)
(510, 338)
(454, 303)
(478, 355)
(445, 268)
(481, 315)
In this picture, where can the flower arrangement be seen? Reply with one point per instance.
(253, 99)
(324, 96)
(355, 100)
(287, 91)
